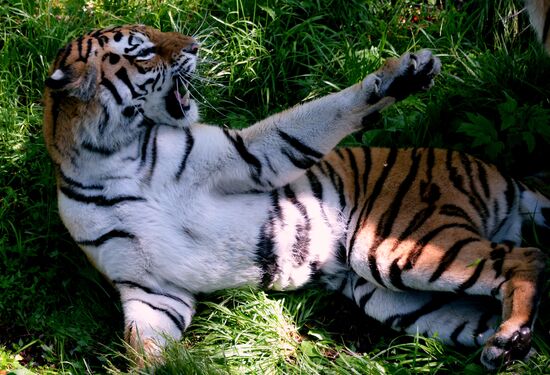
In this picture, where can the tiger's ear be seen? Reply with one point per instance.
(78, 80)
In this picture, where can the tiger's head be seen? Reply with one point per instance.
(108, 83)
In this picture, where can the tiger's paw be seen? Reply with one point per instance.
(500, 350)
(412, 72)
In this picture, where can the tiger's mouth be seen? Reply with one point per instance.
(182, 93)
(178, 98)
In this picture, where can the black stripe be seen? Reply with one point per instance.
(74, 183)
(386, 221)
(84, 57)
(66, 53)
(98, 200)
(416, 222)
(153, 157)
(495, 213)
(250, 159)
(356, 190)
(365, 173)
(472, 279)
(157, 79)
(497, 256)
(133, 284)
(149, 81)
(414, 254)
(132, 46)
(366, 298)
(430, 194)
(473, 195)
(385, 224)
(395, 276)
(336, 181)
(97, 149)
(341, 254)
(490, 310)
(438, 301)
(189, 142)
(365, 211)
(145, 144)
(303, 163)
(105, 120)
(122, 74)
(177, 319)
(265, 248)
(109, 85)
(482, 178)
(510, 195)
(300, 248)
(450, 256)
(367, 159)
(455, 211)
(316, 186)
(457, 331)
(299, 146)
(474, 176)
(115, 233)
(79, 47)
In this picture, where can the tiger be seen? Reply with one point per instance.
(539, 15)
(168, 208)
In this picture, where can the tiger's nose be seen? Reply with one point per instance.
(193, 48)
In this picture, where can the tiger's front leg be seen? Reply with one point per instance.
(279, 149)
(151, 315)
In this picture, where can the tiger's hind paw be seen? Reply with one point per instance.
(501, 351)
(411, 73)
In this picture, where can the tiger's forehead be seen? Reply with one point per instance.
(121, 40)
(129, 35)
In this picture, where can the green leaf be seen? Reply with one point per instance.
(529, 140)
(494, 149)
(508, 112)
(269, 11)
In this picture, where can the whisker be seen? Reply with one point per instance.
(206, 80)
(197, 32)
(204, 101)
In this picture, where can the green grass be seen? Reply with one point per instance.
(58, 316)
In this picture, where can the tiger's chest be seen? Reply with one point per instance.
(204, 241)
(170, 221)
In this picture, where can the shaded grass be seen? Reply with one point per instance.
(57, 315)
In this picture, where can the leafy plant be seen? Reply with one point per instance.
(518, 129)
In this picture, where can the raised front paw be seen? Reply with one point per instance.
(501, 350)
(412, 72)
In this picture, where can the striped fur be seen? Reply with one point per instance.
(166, 207)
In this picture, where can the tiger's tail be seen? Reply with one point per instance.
(535, 207)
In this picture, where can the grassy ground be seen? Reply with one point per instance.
(58, 316)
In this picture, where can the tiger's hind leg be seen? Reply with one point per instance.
(151, 316)
(462, 262)
(459, 320)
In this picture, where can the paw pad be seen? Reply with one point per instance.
(501, 351)
(413, 72)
